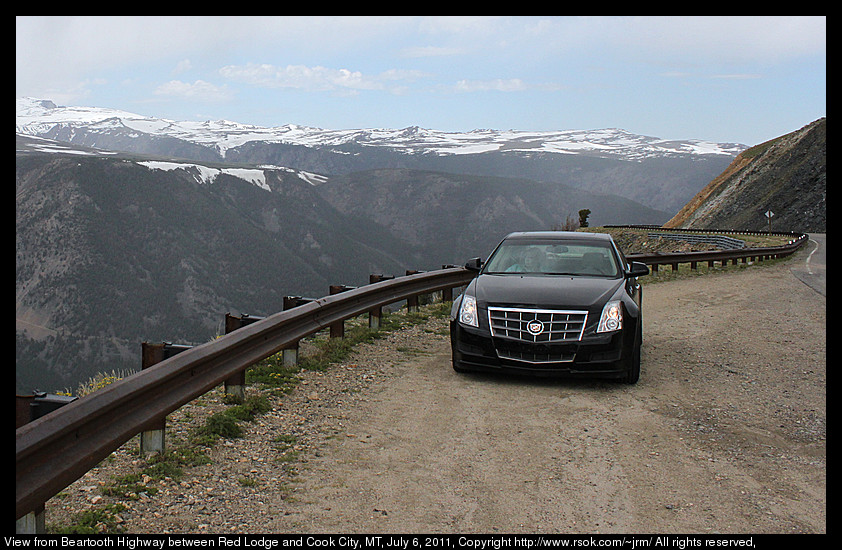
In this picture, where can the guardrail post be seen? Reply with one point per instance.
(33, 523)
(235, 385)
(337, 329)
(447, 293)
(152, 440)
(375, 314)
(412, 301)
(23, 414)
(27, 409)
(290, 353)
(32, 407)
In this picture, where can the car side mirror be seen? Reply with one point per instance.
(474, 264)
(637, 269)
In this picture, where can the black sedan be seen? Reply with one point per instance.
(551, 303)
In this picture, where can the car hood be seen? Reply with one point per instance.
(544, 291)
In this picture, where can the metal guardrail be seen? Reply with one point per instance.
(56, 449)
(710, 256)
(723, 242)
(724, 256)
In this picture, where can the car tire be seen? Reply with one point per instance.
(633, 362)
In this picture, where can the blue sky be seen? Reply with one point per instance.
(727, 79)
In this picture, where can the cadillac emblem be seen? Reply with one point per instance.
(535, 327)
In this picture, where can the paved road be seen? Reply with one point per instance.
(812, 269)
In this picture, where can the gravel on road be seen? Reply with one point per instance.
(724, 433)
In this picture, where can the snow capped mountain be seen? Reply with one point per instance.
(38, 117)
(256, 176)
(201, 173)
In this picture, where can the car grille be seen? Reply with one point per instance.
(534, 353)
(547, 325)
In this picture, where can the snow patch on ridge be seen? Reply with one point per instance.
(208, 175)
(255, 176)
(36, 117)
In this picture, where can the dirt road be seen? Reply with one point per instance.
(724, 433)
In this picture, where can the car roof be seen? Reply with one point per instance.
(561, 235)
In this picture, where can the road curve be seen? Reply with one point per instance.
(811, 268)
(724, 433)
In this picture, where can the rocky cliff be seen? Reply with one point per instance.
(787, 176)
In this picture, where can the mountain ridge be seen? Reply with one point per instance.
(661, 174)
(124, 236)
(40, 117)
(110, 253)
(786, 175)
(113, 249)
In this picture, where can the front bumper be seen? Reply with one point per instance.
(593, 356)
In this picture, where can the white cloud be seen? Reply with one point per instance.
(199, 90)
(712, 39)
(431, 51)
(182, 66)
(295, 76)
(504, 85)
(497, 84)
(408, 75)
(650, 39)
(317, 78)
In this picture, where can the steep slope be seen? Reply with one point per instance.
(787, 175)
(661, 183)
(110, 252)
(457, 216)
(114, 249)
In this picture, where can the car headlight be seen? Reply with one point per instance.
(612, 317)
(468, 311)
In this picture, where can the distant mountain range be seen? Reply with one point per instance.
(661, 174)
(43, 117)
(131, 228)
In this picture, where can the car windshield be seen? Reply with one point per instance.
(553, 257)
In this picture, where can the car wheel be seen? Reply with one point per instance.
(633, 363)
